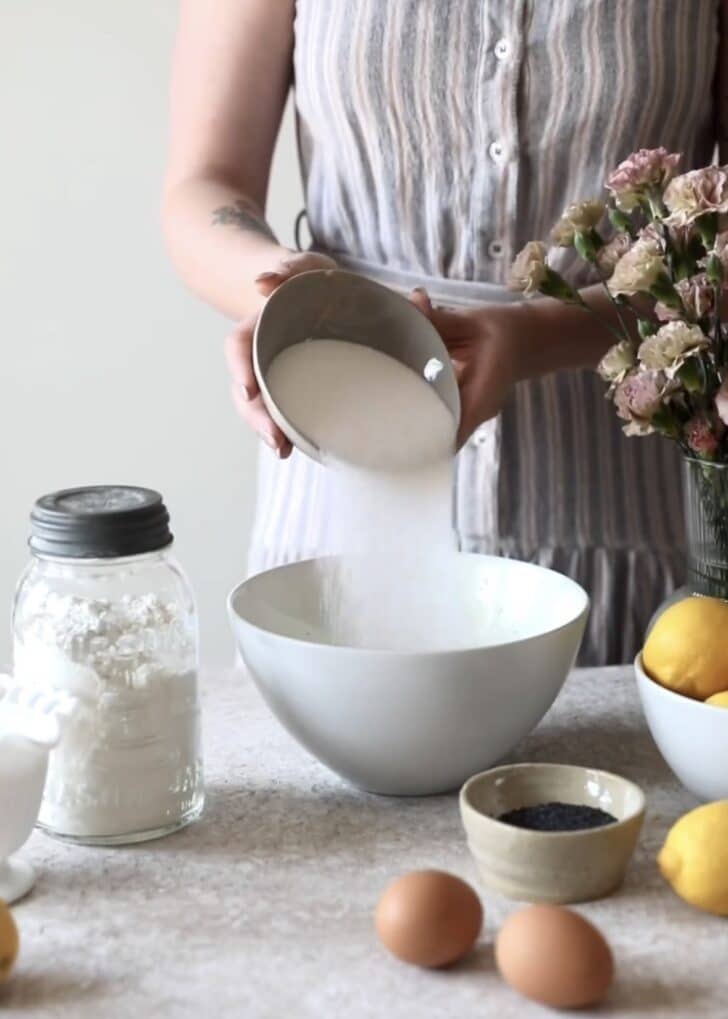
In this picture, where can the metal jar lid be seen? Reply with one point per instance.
(99, 522)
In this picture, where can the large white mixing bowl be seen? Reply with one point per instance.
(413, 723)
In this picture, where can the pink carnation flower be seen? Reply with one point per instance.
(610, 254)
(697, 193)
(644, 169)
(701, 437)
(638, 398)
(697, 296)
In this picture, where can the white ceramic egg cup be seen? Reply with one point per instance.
(31, 724)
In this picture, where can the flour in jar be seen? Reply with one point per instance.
(389, 440)
(129, 760)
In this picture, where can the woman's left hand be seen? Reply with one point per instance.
(483, 344)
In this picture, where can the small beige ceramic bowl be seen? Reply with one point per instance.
(557, 867)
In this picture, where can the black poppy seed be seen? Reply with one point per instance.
(557, 817)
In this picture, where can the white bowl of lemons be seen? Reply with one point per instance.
(682, 680)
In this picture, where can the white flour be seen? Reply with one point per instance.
(390, 441)
(129, 760)
(361, 407)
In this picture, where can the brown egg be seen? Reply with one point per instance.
(554, 956)
(429, 918)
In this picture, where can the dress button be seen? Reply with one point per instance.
(496, 249)
(480, 435)
(502, 49)
(496, 151)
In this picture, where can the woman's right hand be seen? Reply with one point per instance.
(239, 351)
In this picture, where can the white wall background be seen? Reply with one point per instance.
(109, 371)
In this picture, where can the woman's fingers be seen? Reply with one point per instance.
(246, 395)
(255, 415)
(455, 327)
(460, 367)
(304, 261)
(267, 282)
(239, 351)
(450, 323)
(239, 357)
(294, 264)
(421, 299)
(469, 419)
(483, 392)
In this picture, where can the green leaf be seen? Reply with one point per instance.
(620, 221)
(667, 423)
(554, 285)
(663, 290)
(645, 327)
(693, 376)
(585, 246)
(714, 269)
(707, 227)
(694, 249)
(679, 265)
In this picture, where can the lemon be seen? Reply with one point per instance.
(694, 858)
(720, 700)
(9, 942)
(687, 649)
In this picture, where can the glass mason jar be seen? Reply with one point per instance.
(103, 612)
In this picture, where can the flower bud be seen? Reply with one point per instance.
(586, 245)
(621, 222)
(554, 285)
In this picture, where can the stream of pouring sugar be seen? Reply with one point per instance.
(389, 440)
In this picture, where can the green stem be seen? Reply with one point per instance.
(615, 302)
(607, 325)
(717, 331)
(671, 254)
(646, 314)
(657, 207)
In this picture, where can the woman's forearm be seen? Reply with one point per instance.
(552, 336)
(219, 241)
(231, 75)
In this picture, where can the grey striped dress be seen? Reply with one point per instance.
(436, 138)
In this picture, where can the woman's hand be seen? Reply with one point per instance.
(484, 346)
(239, 351)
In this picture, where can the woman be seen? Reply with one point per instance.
(435, 139)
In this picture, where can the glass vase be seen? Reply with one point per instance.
(705, 487)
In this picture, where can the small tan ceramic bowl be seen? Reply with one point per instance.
(559, 867)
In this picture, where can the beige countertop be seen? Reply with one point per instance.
(264, 907)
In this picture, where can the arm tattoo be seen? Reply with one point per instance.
(243, 214)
